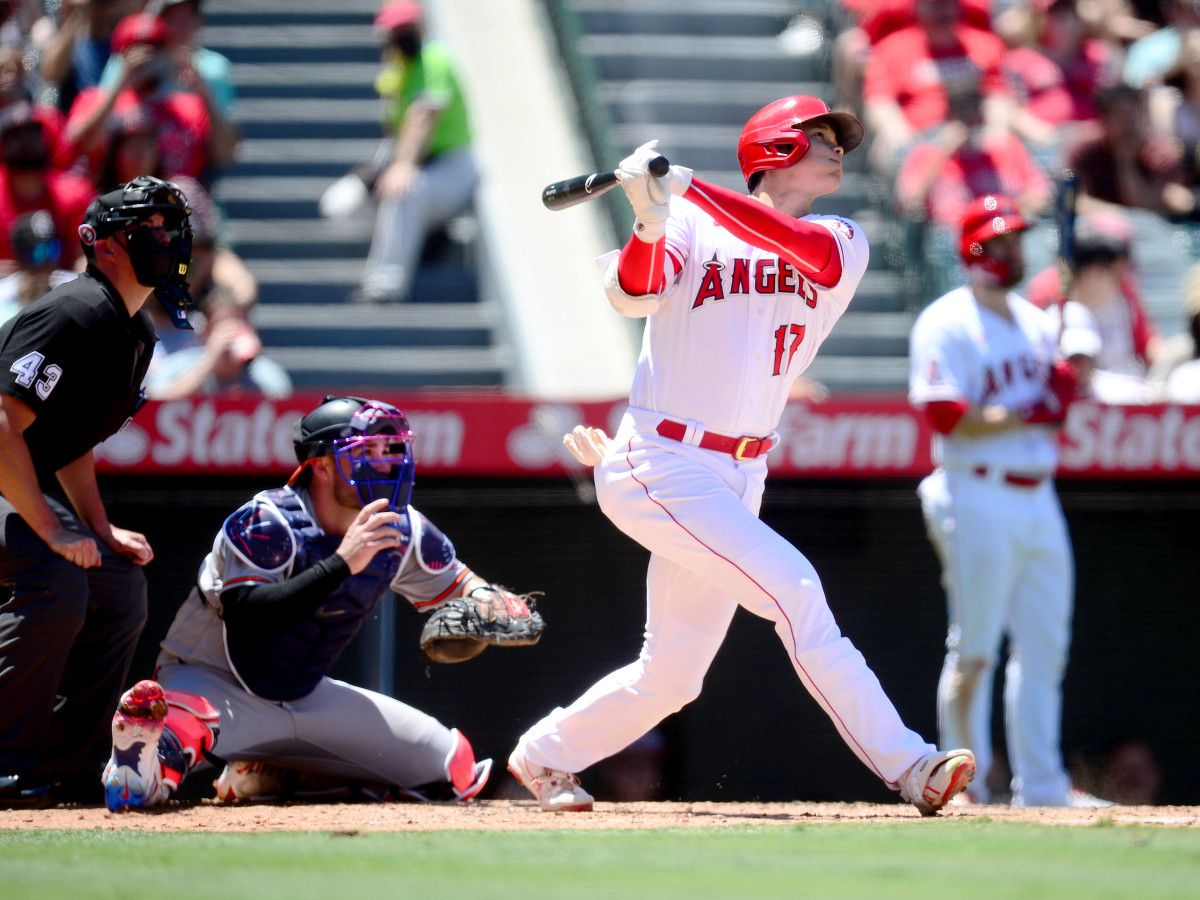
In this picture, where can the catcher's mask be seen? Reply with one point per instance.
(774, 137)
(987, 218)
(371, 443)
(160, 254)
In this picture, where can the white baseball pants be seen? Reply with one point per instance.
(697, 512)
(1007, 569)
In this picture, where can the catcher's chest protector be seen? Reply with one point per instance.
(285, 662)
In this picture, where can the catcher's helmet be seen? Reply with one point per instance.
(160, 256)
(774, 138)
(345, 427)
(985, 218)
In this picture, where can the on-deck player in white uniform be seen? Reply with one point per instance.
(738, 292)
(982, 368)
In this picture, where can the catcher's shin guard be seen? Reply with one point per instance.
(465, 775)
(157, 737)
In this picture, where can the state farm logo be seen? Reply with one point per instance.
(206, 435)
(848, 440)
(1131, 439)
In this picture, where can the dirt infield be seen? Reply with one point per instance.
(209, 815)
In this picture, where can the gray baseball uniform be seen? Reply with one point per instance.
(267, 677)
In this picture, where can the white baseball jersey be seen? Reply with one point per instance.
(738, 325)
(960, 350)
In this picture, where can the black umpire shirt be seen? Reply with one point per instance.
(77, 359)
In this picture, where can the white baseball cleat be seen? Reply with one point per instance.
(936, 778)
(242, 779)
(555, 791)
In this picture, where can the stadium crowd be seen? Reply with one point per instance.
(963, 98)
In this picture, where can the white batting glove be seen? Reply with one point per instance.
(649, 196)
(588, 445)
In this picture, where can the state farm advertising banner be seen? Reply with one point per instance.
(494, 434)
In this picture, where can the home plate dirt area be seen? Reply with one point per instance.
(210, 815)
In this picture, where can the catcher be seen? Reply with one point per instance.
(291, 577)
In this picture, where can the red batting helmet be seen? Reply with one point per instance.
(774, 139)
(988, 217)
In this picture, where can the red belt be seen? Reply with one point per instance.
(740, 448)
(1013, 477)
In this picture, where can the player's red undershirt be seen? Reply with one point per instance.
(810, 247)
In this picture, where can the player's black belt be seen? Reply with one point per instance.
(1019, 479)
(740, 448)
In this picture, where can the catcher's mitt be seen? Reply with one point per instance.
(464, 627)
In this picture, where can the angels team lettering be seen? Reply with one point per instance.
(997, 377)
(768, 275)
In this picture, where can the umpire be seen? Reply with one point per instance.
(73, 591)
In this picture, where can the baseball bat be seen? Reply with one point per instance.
(573, 191)
(1067, 191)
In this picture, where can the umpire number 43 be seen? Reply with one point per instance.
(29, 367)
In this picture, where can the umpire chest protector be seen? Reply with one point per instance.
(284, 656)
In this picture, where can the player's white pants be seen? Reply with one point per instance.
(339, 730)
(697, 512)
(1007, 569)
(443, 189)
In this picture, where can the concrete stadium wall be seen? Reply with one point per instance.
(755, 733)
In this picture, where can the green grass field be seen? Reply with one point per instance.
(925, 859)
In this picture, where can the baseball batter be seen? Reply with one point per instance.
(738, 293)
(983, 370)
(291, 577)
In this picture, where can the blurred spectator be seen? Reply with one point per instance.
(870, 21)
(223, 356)
(1148, 59)
(1080, 345)
(14, 88)
(1174, 105)
(424, 173)
(29, 183)
(1054, 78)
(215, 265)
(198, 70)
(1116, 22)
(130, 149)
(185, 20)
(1128, 164)
(960, 160)
(1177, 371)
(37, 247)
(956, 163)
(76, 53)
(14, 84)
(912, 73)
(186, 140)
(1106, 285)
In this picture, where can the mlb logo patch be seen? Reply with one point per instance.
(845, 228)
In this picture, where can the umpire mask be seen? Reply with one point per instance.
(159, 253)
